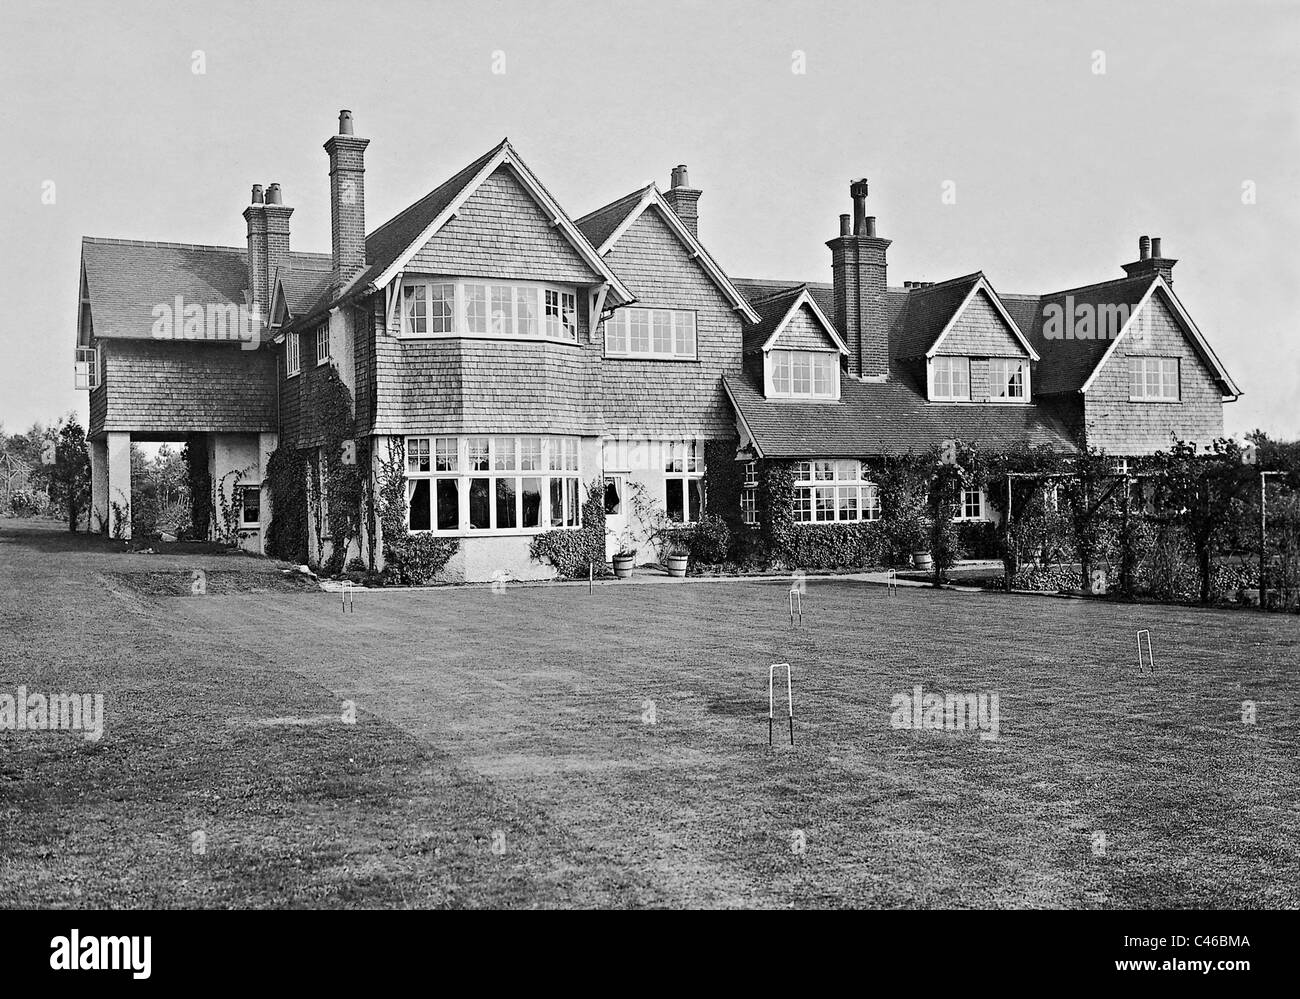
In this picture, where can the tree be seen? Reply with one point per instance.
(1085, 495)
(70, 474)
(1206, 493)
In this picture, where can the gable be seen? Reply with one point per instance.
(980, 331)
(501, 231)
(658, 269)
(804, 332)
(1154, 331)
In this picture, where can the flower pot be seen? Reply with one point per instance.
(677, 565)
(922, 560)
(623, 565)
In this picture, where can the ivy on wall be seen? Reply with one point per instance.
(286, 535)
(409, 559)
(571, 551)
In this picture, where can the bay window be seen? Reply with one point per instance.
(483, 308)
(827, 492)
(492, 484)
(667, 334)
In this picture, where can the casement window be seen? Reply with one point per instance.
(970, 504)
(829, 491)
(250, 505)
(492, 484)
(667, 334)
(1153, 379)
(683, 481)
(291, 359)
(950, 379)
(322, 343)
(481, 308)
(87, 373)
(813, 374)
(749, 494)
(1007, 378)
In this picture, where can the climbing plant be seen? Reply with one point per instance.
(411, 559)
(286, 535)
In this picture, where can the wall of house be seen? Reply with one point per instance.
(659, 398)
(169, 387)
(1122, 427)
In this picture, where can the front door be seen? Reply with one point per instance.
(615, 513)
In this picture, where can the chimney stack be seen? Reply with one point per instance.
(268, 243)
(347, 202)
(858, 271)
(684, 199)
(1151, 260)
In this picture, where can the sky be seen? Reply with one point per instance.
(1060, 133)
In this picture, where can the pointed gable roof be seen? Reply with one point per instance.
(776, 311)
(612, 221)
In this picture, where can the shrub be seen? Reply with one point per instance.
(977, 539)
(570, 552)
(834, 546)
(415, 559)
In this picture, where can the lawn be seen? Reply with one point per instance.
(503, 752)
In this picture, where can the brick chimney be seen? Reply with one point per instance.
(277, 238)
(684, 199)
(1151, 261)
(858, 273)
(347, 201)
(255, 216)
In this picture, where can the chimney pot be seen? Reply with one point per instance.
(273, 194)
(858, 192)
(1144, 248)
(257, 194)
(680, 177)
(871, 226)
(846, 226)
(345, 123)
(1155, 246)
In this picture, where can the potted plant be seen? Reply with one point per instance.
(623, 562)
(677, 559)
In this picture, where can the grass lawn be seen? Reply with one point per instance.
(500, 755)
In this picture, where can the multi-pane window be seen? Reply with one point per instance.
(250, 506)
(811, 373)
(322, 343)
(491, 483)
(951, 378)
(656, 333)
(749, 494)
(683, 481)
(1006, 378)
(477, 308)
(291, 358)
(829, 491)
(1153, 379)
(970, 504)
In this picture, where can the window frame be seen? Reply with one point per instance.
(831, 476)
(245, 525)
(772, 368)
(749, 494)
(292, 355)
(497, 458)
(322, 358)
(622, 318)
(948, 360)
(961, 512)
(1145, 361)
(1005, 363)
(459, 313)
(691, 471)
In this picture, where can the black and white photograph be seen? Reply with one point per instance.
(674, 455)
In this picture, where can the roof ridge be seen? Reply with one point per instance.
(1098, 284)
(159, 244)
(469, 168)
(949, 281)
(638, 193)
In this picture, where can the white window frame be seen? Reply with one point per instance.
(245, 525)
(322, 336)
(683, 461)
(556, 459)
(951, 363)
(780, 359)
(842, 479)
(86, 373)
(682, 326)
(444, 317)
(1168, 370)
(292, 355)
(962, 513)
(749, 495)
(1006, 365)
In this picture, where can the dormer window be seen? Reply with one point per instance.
(950, 379)
(810, 374)
(1007, 378)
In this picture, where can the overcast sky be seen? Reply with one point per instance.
(1057, 168)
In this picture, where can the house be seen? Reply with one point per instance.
(492, 365)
